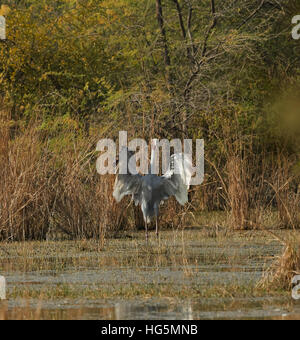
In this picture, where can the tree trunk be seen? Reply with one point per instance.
(160, 19)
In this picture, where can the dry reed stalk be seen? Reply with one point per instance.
(46, 195)
(285, 267)
(287, 192)
(23, 190)
(238, 192)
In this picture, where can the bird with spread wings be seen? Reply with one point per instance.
(151, 190)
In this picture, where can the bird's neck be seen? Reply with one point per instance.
(154, 152)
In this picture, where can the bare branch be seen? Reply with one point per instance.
(179, 11)
(195, 72)
(183, 30)
(212, 26)
(189, 24)
(160, 19)
(252, 14)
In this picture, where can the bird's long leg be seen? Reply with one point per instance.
(146, 229)
(156, 222)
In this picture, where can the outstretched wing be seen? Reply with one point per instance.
(152, 188)
(181, 164)
(126, 185)
(179, 174)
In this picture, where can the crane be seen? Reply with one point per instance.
(151, 190)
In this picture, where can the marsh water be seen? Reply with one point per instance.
(186, 275)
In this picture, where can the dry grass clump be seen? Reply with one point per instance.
(52, 194)
(238, 192)
(50, 189)
(25, 180)
(285, 184)
(84, 206)
(285, 267)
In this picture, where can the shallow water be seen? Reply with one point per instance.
(195, 262)
(162, 309)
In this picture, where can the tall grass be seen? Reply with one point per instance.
(47, 193)
(286, 266)
(44, 194)
(286, 192)
(24, 190)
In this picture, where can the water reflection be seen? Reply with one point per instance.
(121, 310)
(125, 310)
(165, 309)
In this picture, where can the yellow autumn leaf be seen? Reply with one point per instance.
(4, 10)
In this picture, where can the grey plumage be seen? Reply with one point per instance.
(150, 191)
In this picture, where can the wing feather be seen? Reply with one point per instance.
(127, 185)
(154, 189)
(180, 174)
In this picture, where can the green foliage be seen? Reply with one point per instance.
(55, 57)
(101, 63)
